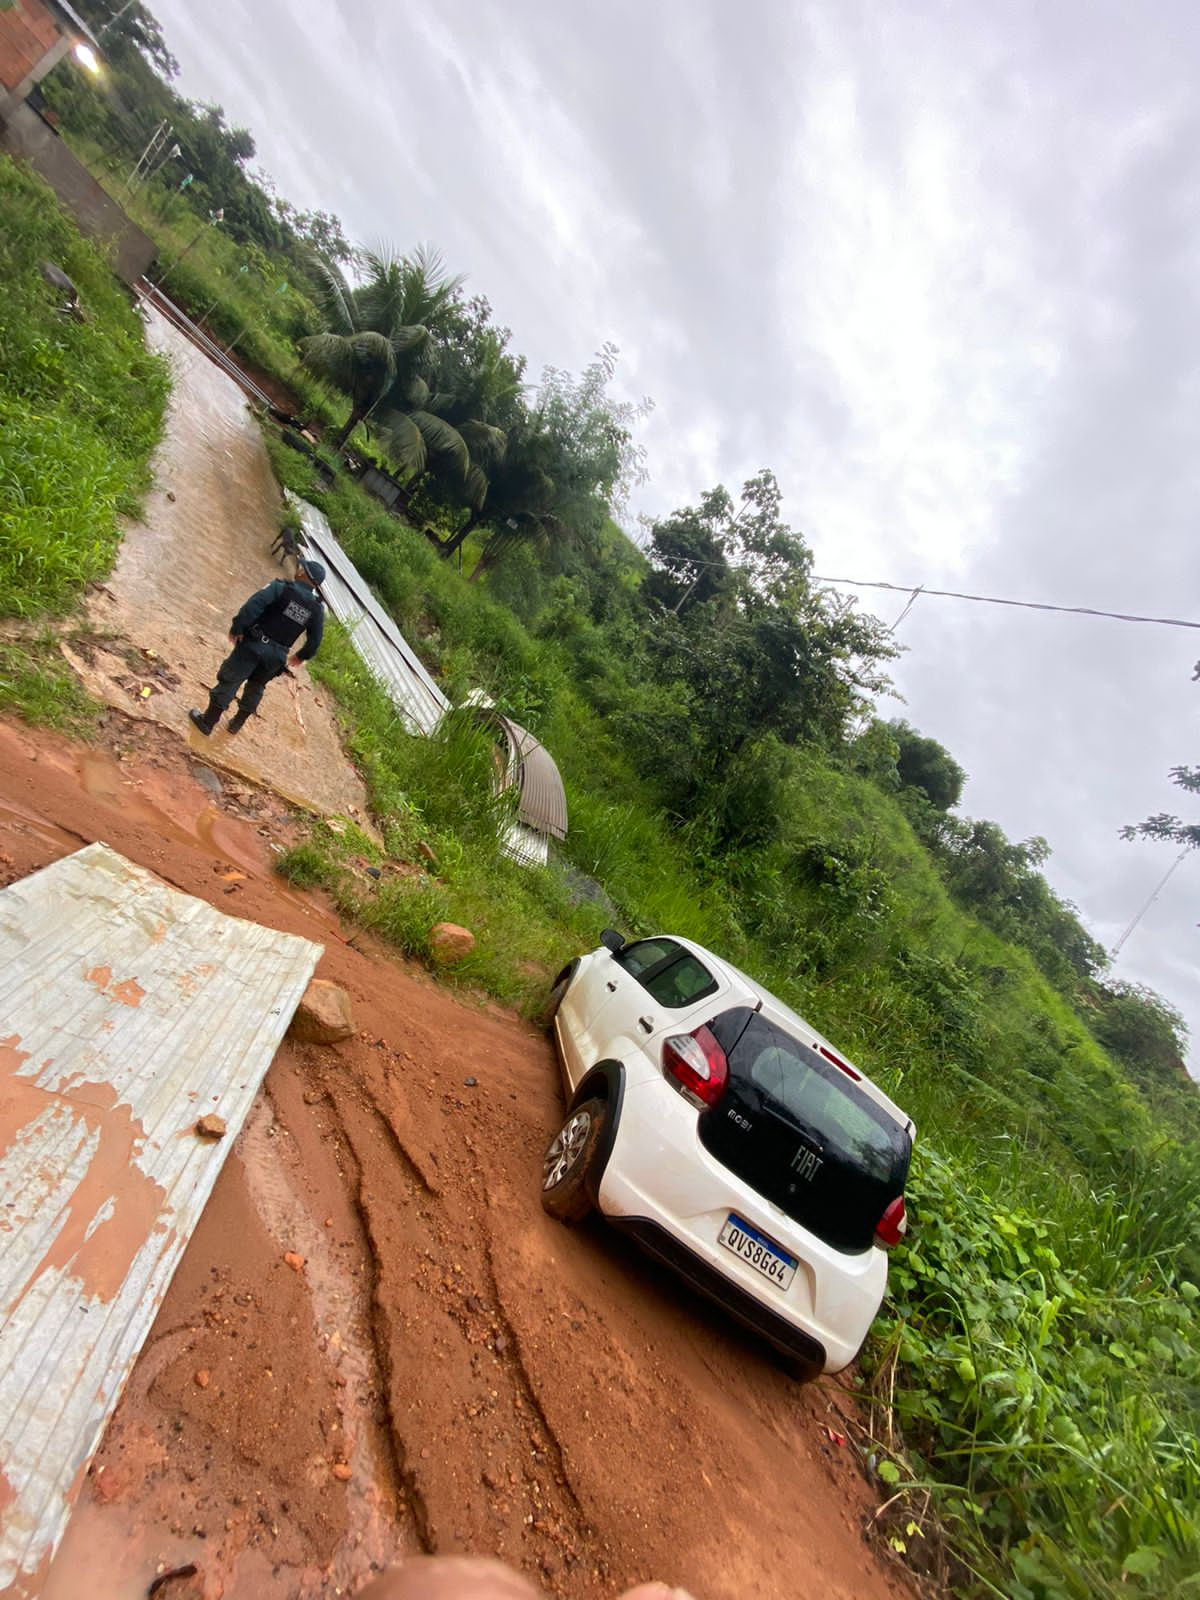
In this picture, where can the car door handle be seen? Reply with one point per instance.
(646, 1024)
(611, 986)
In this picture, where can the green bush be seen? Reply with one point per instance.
(81, 405)
(1037, 1342)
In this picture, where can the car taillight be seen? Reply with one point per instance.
(892, 1225)
(696, 1065)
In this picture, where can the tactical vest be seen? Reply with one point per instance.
(287, 618)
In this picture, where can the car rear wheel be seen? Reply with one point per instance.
(568, 1161)
(553, 1000)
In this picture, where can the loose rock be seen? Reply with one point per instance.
(294, 1260)
(203, 1378)
(323, 1015)
(450, 943)
(210, 1126)
(342, 1471)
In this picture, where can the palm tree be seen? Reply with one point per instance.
(377, 349)
(480, 396)
(524, 496)
(361, 364)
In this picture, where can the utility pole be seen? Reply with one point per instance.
(214, 217)
(116, 17)
(1162, 884)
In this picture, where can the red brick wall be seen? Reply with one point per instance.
(27, 32)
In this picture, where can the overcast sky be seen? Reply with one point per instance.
(936, 264)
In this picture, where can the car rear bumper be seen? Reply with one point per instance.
(784, 1335)
(661, 1184)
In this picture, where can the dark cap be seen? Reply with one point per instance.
(314, 569)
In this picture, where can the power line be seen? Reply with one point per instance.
(994, 600)
(915, 590)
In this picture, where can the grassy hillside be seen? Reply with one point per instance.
(81, 405)
(1038, 1348)
(81, 409)
(1034, 1377)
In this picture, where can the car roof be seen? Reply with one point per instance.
(775, 1010)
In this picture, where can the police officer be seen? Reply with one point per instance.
(263, 632)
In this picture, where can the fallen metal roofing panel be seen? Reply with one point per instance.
(127, 1010)
(388, 656)
(391, 660)
(543, 804)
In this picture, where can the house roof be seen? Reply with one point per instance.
(73, 22)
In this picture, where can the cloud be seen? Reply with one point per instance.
(934, 264)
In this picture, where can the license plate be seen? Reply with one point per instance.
(763, 1254)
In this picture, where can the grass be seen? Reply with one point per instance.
(436, 793)
(81, 406)
(38, 686)
(1033, 1378)
(242, 299)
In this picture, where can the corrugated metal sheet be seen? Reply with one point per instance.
(542, 806)
(385, 651)
(543, 801)
(127, 1010)
(525, 846)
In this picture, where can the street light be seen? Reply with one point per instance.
(87, 57)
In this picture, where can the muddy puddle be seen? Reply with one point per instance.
(187, 813)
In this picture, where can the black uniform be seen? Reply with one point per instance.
(267, 626)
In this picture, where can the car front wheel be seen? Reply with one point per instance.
(569, 1160)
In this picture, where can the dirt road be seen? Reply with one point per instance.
(450, 1370)
(202, 546)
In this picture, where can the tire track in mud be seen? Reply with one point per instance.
(343, 1313)
(477, 1455)
(523, 1377)
(381, 1337)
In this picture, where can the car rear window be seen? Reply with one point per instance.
(669, 972)
(803, 1133)
(646, 953)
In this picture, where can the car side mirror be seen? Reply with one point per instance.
(612, 940)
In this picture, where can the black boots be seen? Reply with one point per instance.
(238, 720)
(207, 719)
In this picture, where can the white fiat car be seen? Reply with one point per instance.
(730, 1139)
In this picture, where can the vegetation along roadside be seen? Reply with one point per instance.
(1034, 1381)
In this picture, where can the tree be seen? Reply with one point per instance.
(688, 554)
(377, 334)
(748, 644)
(322, 233)
(568, 459)
(1001, 882)
(595, 433)
(1147, 1035)
(1165, 826)
(924, 764)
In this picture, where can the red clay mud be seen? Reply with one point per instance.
(450, 1371)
